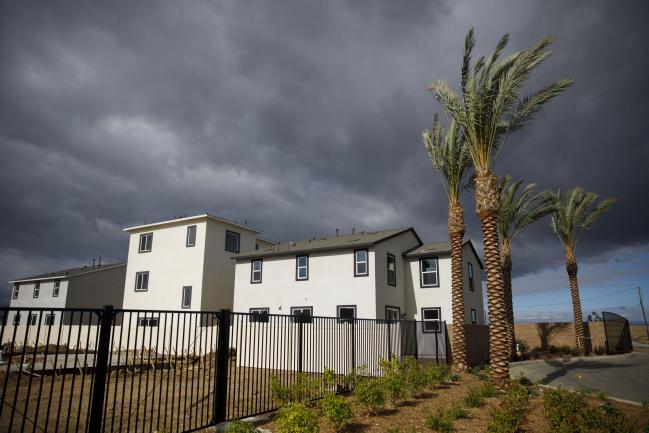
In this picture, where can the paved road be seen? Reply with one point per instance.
(622, 376)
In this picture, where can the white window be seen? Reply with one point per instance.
(258, 315)
(142, 281)
(16, 319)
(428, 272)
(392, 314)
(14, 294)
(146, 239)
(430, 319)
(57, 287)
(360, 263)
(346, 313)
(302, 268)
(33, 320)
(147, 321)
(49, 319)
(232, 241)
(187, 297)
(191, 236)
(255, 271)
(392, 270)
(473, 316)
(37, 290)
(471, 284)
(302, 314)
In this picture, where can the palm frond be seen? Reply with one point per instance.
(520, 208)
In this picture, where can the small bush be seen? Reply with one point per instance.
(473, 398)
(436, 374)
(369, 394)
(296, 418)
(644, 404)
(439, 422)
(508, 417)
(393, 379)
(487, 390)
(337, 410)
(481, 372)
(302, 390)
(456, 412)
(601, 395)
(241, 427)
(522, 345)
(454, 377)
(414, 376)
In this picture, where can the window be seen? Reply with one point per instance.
(473, 315)
(187, 297)
(471, 286)
(360, 263)
(256, 246)
(346, 313)
(57, 286)
(392, 314)
(191, 236)
(428, 272)
(142, 281)
(258, 315)
(146, 239)
(302, 314)
(147, 321)
(16, 319)
(430, 319)
(49, 319)
(302, 268)
(37, 289)
(14, 295)
(33, 319)
(255, 271)
(392, 270)
(232, 241)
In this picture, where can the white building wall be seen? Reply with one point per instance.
(430, 297)
(331, 283)
(45, 298)
(472, 298)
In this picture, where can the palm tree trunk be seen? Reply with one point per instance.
(571, 268)
(487, 206)
(506, 265)
(456, 230)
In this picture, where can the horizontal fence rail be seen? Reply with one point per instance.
(108, 370)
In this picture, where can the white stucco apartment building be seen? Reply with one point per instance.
(185, 263)
(388, 274)
(84, 287)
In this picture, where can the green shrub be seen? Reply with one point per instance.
(454, 377)
(296, 418)
(414, 376)
(393, 379)
(487, 390)
(303, 389)
(456, 412)
(567, 412)
(644, 404)
(439, 422)
(474, 397)
(508, 416)
(369, 394)
(436, 374)
(337, 410)
(481, 372)
(601, 395)
(241, 427)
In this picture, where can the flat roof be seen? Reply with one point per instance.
(67, 273)
(192, 218)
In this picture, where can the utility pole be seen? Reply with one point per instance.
(643, 314)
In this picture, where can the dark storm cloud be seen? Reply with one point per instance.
(299, 117)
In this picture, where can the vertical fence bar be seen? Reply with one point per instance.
(300, 335)
(389, 342)
(222, 358)
(101, 369)
(353, 342)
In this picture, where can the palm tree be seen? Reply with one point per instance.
(518, 209)
(487, 110)
(576, 212)
(450, 157)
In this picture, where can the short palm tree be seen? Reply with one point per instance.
(487, 110)
(518, 209)
(576, 212)
(450, 157)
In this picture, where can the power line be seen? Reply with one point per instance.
(570, 302)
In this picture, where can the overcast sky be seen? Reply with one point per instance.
(301, 117)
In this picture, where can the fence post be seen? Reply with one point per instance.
(222, 357)
(389, 343)
(300, 324)
(414, 325)
(101, 369)
(353, 342)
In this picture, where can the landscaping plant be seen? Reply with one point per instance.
(508, 416)
(304, 389)
(369, 395)
(241, 427)
(439, 422)
(296, 418)
(337, 410)
(393, 380)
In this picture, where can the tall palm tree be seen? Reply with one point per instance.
(450, 157)
(576, 212)
(488, 108)
(518, 209)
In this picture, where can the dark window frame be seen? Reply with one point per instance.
(421, 275)
(148, 321)
(392, 307)
(139, 246)
(474, 316)
(182, 300)
(32, 319)
(438, 320)
(16, 291)
(187, 243)
(297, 267)
(301, 308)
(137, 275)
(238, 235)
(252, 271)
(471, 276)
(49, 319)
(259, 315)
(346, 320)
(56, 289)
(367, 263)
(37, 290)
(394, 260)
(16, 321)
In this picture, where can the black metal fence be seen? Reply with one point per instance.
(111, 370)
(618, 333)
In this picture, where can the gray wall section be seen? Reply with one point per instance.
(96, 289)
